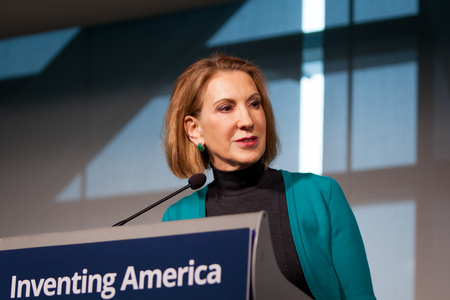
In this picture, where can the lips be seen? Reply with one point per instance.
(248, 142)
(247, 139)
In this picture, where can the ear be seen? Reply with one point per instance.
(193, 130)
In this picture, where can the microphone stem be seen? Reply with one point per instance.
(151, 206)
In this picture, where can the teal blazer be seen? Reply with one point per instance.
(325, 232)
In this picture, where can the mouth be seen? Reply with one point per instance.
(248, 141)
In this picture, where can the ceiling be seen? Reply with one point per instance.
(19, 17)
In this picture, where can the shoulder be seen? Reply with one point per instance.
(313, 190)
(189, 207)
(309, 181)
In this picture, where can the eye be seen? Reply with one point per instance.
(255, 103)
(225, 108)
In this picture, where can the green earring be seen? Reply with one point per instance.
(200, 147)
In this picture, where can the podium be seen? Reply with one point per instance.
(225, 257)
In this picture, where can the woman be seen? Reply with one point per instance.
(220, 117)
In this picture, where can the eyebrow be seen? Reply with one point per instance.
(254, 95)
(231, 99)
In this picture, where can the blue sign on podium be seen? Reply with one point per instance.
(206, 265)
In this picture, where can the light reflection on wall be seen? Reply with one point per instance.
(260, 19)
(338, 11)
(313, 15)
(389, 231)
(31, 54)
(384, 117)
(370, 11)
(336, 110)
(131, 163)
(284, 95)
(311, 123)
(312, 92)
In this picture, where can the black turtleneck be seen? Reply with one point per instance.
(255, 189)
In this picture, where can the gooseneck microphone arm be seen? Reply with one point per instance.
(123, 222)
(195, 182)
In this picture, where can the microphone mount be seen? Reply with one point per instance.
(196, 181)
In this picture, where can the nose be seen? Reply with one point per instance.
(245, 121)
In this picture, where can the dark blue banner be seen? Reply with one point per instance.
(212, 265)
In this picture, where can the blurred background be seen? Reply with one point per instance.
(360, 91)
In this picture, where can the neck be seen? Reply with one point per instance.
(237, 181)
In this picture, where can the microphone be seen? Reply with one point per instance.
(196, 181)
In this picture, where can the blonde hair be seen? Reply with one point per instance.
(183, 157)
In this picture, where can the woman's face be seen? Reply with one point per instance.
(231, 123)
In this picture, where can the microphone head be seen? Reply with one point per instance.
(197, 180)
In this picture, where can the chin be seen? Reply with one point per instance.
(250, 161)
